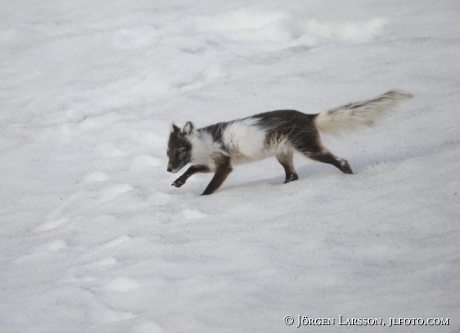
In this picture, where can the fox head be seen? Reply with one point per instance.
(179, 146)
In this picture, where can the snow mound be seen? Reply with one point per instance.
(277, 30)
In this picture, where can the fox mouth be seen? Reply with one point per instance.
(173, 170)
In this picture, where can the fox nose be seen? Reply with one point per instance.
(169, 170)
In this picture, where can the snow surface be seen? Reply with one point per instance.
(94, 238)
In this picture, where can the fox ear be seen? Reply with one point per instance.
(189, 128)
(173, 127)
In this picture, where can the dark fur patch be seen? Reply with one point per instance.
(222, 172)
(216, 130)
(299, 130)
(176, 143)
(297, 127)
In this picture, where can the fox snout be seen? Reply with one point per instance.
(171, 168)
(174, 167)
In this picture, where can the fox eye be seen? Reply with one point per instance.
(181, 151)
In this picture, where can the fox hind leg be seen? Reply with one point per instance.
(286, 160)
(311, 147)
(327, 157)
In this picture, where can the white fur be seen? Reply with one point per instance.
(353, 116)
(188, 128)
(245, 140)
(204, 149)
(171, 127)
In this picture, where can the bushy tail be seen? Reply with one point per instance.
(353, 116)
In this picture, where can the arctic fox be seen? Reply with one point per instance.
(218, 148)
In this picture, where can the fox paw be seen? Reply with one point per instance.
(344, 166)
(178, 183)
(291, 178)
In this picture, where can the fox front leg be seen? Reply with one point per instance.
(190, 171)
(221, 174)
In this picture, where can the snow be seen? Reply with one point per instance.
(94, 237)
